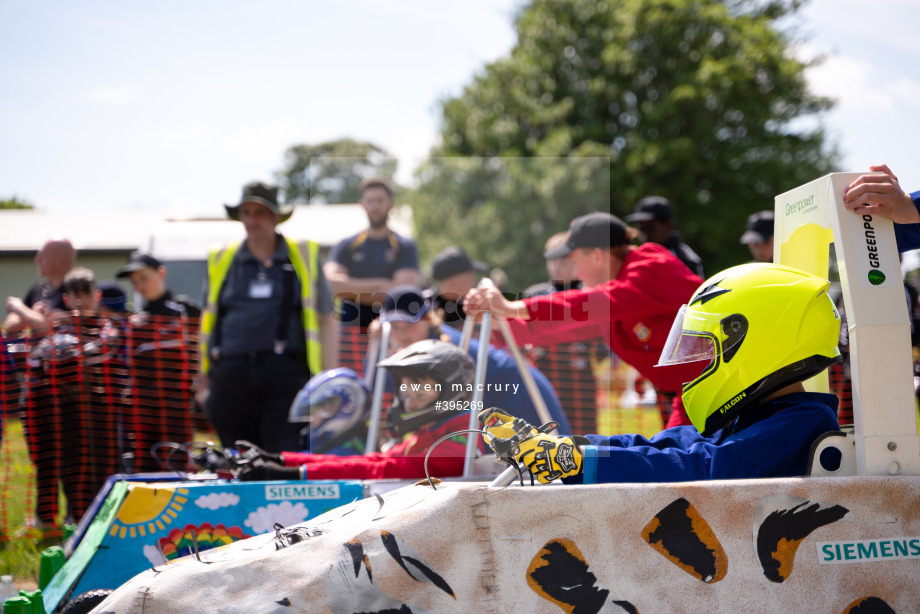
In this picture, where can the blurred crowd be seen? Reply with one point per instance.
(97, 387)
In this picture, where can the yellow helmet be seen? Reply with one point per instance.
(754, 328)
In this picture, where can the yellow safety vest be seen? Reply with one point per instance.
(304, 258)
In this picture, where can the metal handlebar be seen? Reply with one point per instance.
(380, 380)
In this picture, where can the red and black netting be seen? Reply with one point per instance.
(94, 395)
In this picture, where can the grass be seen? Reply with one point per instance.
(20, 548)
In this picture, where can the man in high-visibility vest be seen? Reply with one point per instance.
(267, 325)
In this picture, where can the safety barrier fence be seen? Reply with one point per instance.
(92, 396)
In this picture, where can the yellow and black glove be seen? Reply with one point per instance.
(548, 457)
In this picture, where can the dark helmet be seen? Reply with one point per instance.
(335, 404)
(443, 362)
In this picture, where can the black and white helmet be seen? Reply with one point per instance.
(443, 362)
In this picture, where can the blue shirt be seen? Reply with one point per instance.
(772, 440)
(364, 257)
(908, 235)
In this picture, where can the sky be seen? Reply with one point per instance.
(173, 105)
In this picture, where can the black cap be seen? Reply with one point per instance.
(453, 260)
(404, 304)
(113, 296)
(593, 230)
(136, 262)
(263, 194)
(759, 227)
(651, 208)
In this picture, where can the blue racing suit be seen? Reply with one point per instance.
(908, 235)
(774, 439)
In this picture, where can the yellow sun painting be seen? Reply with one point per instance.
(147, 509)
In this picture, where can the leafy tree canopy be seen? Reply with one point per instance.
(701, 101)
(331, 172)
(15, 202)
(502, 210)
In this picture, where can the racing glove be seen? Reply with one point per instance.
(548, 457)
(267, 470)
(250, 451)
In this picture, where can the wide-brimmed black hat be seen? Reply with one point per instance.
(264, 194)
(593, 230)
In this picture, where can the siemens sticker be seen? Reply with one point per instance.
(295, 492)
(869, 550)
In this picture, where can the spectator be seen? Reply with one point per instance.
(631, 296)
(71, 423)
(361, 269)
(148, 277)
(753, 334)
(454, 272)
(655, 219)
(759, 235)
(567, 365)
(54, 260)
(162, 340)
(267, 325)
(113, 300)
(560, 270)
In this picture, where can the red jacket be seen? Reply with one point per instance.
(632, 312)
(404, 460)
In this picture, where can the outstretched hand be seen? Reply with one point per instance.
(489, 299)
(881, 194)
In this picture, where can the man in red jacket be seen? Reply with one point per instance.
(630, 297)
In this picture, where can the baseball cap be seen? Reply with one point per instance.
(593, 230)
(404, 304)
(453, 260)
(113, 296)
(651, 208)
(136, 262)
(759, 227)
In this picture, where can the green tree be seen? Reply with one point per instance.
(14, 202)
(701, 101)
(502, 210)
(331, 172)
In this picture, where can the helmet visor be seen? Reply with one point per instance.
(697, 336)
(687, 341)
(314, 406)
(325, 409)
